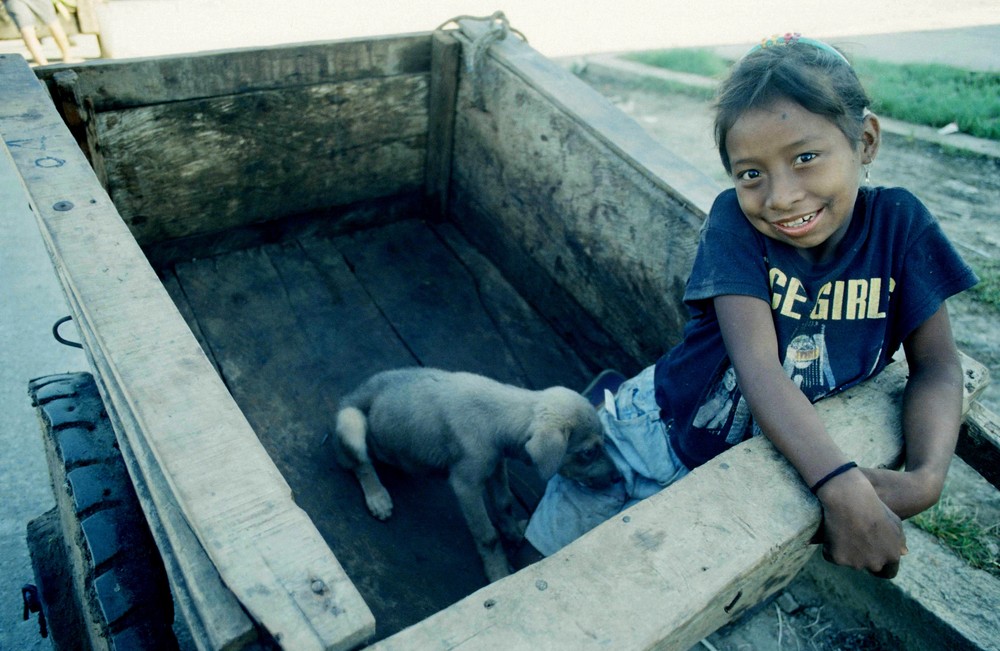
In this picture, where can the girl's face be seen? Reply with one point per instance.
(797, 175)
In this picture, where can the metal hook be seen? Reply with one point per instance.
(59, 338)
(33, 604)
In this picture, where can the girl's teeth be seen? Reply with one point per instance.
(800, 222)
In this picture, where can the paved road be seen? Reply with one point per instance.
(555, 28)
(972, 48)
(31, 300)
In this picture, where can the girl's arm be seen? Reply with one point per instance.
(860, 530)
(932, 412)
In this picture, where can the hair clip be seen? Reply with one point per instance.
(791, 38)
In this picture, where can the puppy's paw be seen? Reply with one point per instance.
(496, 568)
(512, 529)
(380, 504)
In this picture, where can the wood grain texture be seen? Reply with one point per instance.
(110, 84)
(183, 168)
(169, 400)
(446, 52)
(578, 200)
(979, 443)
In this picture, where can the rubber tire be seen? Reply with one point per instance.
(117, 571)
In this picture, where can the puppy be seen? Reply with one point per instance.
(466, 424)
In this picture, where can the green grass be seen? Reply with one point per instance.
(987, 291)
(666, 87)
(932, 95)
(961, 532)
(695, 61)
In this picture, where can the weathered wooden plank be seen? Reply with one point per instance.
(322, 224)
(979, 444)
(543, 355)
(608, 214)
(183, 168)
(176, 292)
(682, 563)
(585, 333)
(289, 333)
(79, 116)
(445, 54)
(110, 84)
(192, 577)
(169, 398)
(431, 301)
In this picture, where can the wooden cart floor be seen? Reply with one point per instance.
(293, 325)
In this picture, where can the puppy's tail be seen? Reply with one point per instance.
(352, 429)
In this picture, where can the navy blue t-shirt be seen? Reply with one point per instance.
(837, 323)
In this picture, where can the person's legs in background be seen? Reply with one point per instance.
(30, 37)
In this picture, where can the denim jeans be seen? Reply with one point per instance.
(638, 442)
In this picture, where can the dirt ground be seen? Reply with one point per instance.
(964, 193)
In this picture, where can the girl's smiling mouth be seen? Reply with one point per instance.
(798, 225)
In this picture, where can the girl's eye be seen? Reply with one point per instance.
(748, 175)
(804, 158)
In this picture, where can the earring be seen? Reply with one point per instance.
(868, 173)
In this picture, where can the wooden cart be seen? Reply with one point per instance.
(244, 235)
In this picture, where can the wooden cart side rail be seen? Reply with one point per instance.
(679, 565)
(446, 53)
(263, 155)
(129, 83)
(168, 399)
(226, 135)
(979, 444)
(572, 197)
(193, 579)
(625, 137)
(211, 613)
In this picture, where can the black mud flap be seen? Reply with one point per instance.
(607, 380)
(101, 582)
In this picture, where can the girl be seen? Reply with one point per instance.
(804, 284)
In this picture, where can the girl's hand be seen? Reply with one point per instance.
(860, 530)
(906, 493)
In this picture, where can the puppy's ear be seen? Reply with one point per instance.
(546, 447)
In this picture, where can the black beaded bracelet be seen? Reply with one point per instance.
(837, 471)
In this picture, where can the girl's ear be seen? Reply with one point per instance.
(871, 138)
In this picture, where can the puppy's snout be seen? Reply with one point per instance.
(604, 479)
(592, 467)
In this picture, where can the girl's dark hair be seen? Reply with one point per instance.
(821, 82)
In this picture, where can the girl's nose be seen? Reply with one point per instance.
(783, 192)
